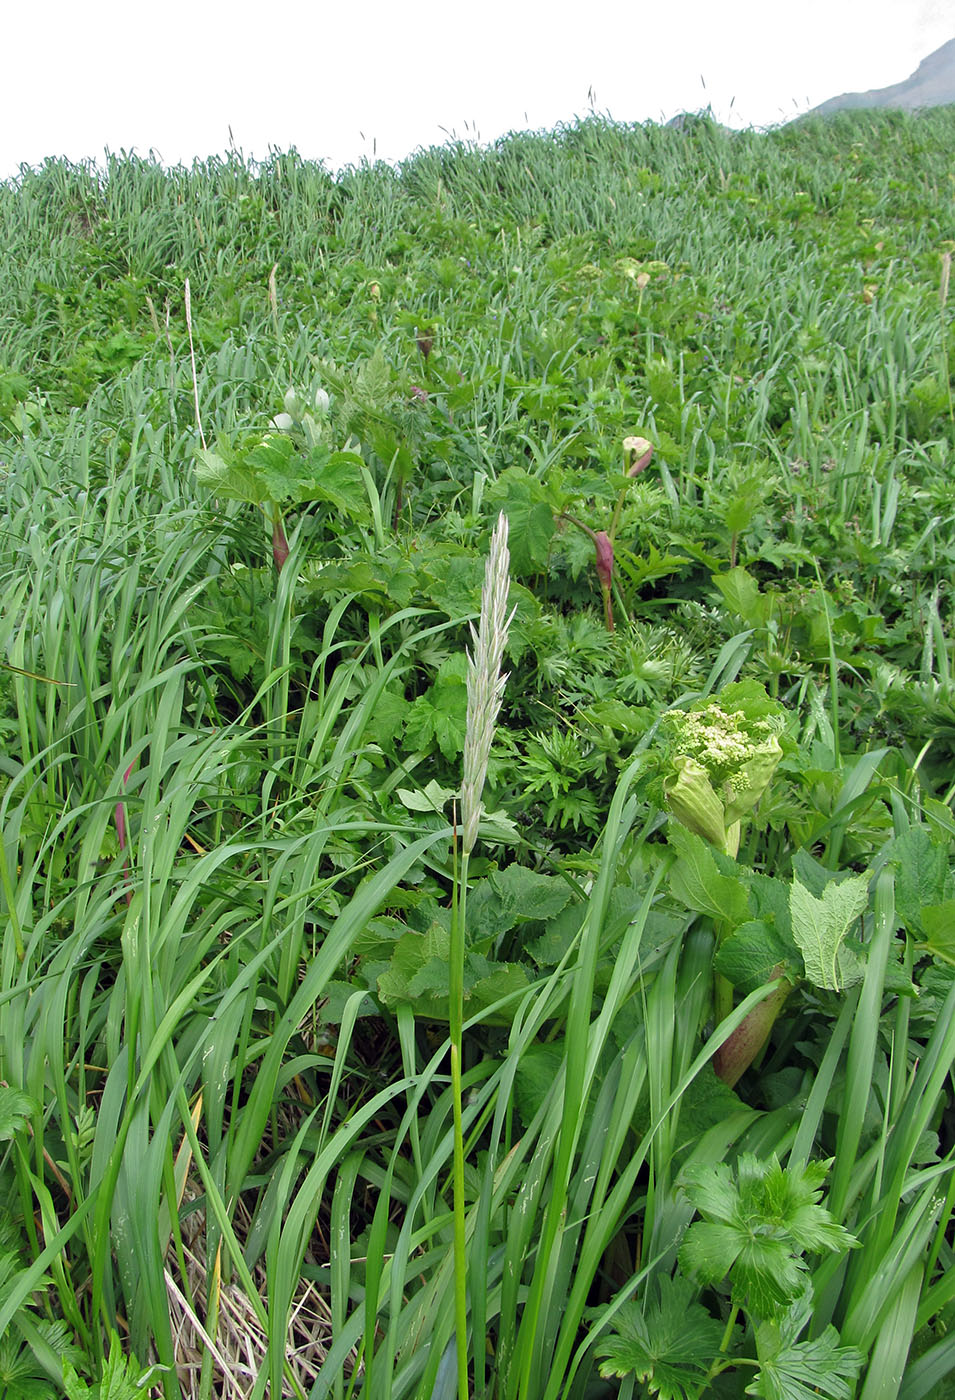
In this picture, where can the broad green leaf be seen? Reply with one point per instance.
(31, 1352)
(511, 897)
(231, 480)
(765, 1272)
(922, 877)
(441, 713)
(938, 930)
(272, 460)
(339, 483)
(528, 895)
(756, 1227)
(668, 1345)
(537, 1069)
(769, 898)
(789, 1198)
(499, 981)
(696, 881)
(749, 956)
(742, 596)
(382, 578)
(433, 798)
(487, 916)
(418, 972)
(452, 581)
(550, 947)
(430, 981)
(335, 998)
(370, 385)
(387, 719)
(532, 531)
(531, 520)
(820, 927)
(706, 1102)
(806, 1370)
(288, 477)
(21, 1377)
(811, 873)
(794, 1370)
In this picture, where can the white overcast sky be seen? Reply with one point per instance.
(362, 79)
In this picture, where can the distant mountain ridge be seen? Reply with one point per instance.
(931, 85)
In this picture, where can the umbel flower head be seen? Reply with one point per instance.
(722, 753)
(485, 683)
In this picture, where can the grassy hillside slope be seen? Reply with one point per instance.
(256, 427)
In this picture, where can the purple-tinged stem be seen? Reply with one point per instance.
(737, 1053)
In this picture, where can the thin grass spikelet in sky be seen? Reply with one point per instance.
(485, 681)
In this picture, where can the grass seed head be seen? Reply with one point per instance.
(485, 682)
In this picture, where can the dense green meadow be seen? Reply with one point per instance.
(640, 1075)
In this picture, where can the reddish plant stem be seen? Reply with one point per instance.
(737, 1053)
(279, 540)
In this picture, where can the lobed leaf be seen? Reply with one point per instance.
(820, 927)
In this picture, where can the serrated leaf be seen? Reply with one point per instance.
(123, 1379)
(525, 894)
(742, 596)
(769, 899)
(272, 456)
(696, 880)
(371, 381)
(501, 980)
(764, 1272)
(231, 480)
(938, 930)
(820, 927)
(668, 1345)
(756, 1227)
(560, 933)
(498, 826)
(418, 971)
(388, 718)
(287, 476)
(441, 713)
(706, 1102)
(336, 996)
(430, 982)
(20, 1375)
(531, 520)
(750, 955)
(805, 1370)
(16, 1110)
(922, 877)
(811, 872)
(339, 483)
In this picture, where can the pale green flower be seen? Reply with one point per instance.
(722, 755)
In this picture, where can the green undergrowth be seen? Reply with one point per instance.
(709, 1014)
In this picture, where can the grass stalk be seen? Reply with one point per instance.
(485, 687)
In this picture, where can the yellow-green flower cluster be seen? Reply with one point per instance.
(722, 754)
